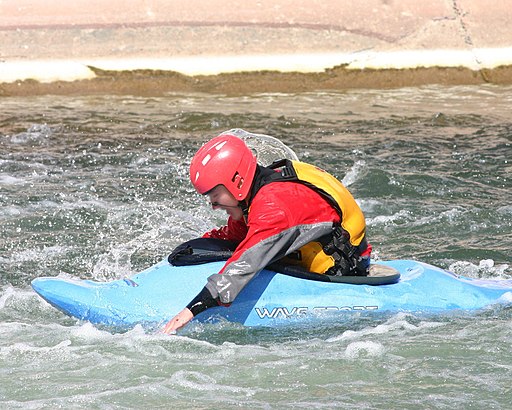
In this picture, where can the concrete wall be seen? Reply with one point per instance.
(240, 46)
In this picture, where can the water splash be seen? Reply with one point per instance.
(486, 269)
(36, 134)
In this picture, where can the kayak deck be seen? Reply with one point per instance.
(153, 296)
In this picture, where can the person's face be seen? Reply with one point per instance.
(221, 198)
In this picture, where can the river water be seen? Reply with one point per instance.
(96, 187)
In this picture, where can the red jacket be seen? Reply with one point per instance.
(283, 217)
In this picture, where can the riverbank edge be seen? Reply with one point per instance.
(148, 82)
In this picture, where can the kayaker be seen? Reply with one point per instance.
(290, 210)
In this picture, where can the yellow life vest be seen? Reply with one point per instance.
(352, 218)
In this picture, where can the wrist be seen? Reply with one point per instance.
(204, 300)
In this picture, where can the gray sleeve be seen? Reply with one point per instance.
(238, 273)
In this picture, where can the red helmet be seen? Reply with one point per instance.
(224, 160)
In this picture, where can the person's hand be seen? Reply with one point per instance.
(178, 321)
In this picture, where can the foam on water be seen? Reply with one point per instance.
(199, 381)
(367, 348)
(248, 375)
(7, 293)
(485, 269)
(400, 217)
(10, 180)
(39, 254)
(399, 324)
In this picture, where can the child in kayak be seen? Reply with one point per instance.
(290, 212)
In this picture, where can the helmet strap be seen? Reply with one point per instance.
(244, 206)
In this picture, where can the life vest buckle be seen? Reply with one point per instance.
(343, 252)
(287, 172)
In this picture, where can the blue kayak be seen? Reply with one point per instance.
(155, 295)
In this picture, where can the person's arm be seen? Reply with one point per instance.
(263, 229)
(234, 231)
(267, 239)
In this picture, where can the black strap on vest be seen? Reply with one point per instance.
(278, 171)
(283, 171)
(266, 175)
(347, 257)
